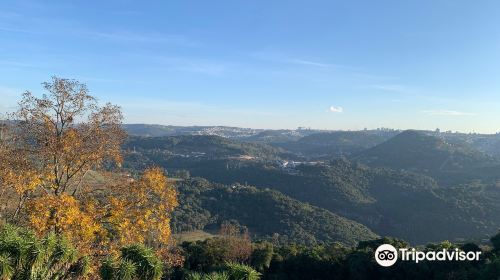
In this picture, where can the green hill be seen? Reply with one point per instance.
(417, 151)
(266, 213)
(334, 144)
(389, 202)
(150, 130)
(206, 146)
(279, 136)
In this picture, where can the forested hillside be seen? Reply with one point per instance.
(399, 202)
(266, 213)
(334, 144)
(203, 146)
(417, 151)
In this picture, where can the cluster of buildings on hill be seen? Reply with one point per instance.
(290, 165)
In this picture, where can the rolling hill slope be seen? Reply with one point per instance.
(417, 151)
(334, 144)
(389, 202)
(266, 213)
(208, 146)
(401, 194)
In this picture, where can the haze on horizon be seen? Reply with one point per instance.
(345, 65)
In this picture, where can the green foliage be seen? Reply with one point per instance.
(262, 255)
(495, 240)
(491, 270)
(207, 276)
(199, 146)
(239, 271)
(228, 271)
(24, 256)
(135, 262)
(373, 244)
(333, 144)
(389, 202)
(277, 215)
(321, 262)
(210, 254)
(417, 151)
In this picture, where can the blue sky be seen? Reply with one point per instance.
(265, 64)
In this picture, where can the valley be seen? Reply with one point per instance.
(395, 183)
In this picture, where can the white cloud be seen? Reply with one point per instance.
(337, 109)
(446, 113)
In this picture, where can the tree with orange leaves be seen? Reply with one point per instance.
(54, 142)
(139, 212)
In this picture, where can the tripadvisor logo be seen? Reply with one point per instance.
(386, 255)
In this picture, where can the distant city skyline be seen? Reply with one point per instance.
(335, 65)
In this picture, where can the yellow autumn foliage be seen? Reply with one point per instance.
(55, 142)
(141, 210)
(132, 212)
(65, 215)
